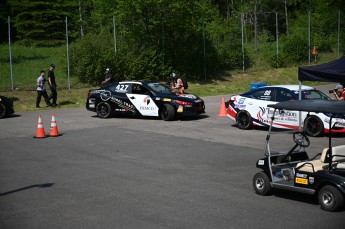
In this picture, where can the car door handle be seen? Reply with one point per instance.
(132, 97)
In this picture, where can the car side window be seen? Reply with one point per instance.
(313, 94)
(265, 94)
(139, 89)
(283, 95)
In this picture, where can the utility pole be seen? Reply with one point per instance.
(10, 49)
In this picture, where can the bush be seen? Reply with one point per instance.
(89, 56)
(277, 62)
(92, 54)
(295, 48)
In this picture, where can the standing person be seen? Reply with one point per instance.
(108, 77)
(41, 91)
(340, 94)
(179, 85)
(52, 84)
(172, 82)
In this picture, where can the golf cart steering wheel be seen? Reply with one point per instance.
(301, 139)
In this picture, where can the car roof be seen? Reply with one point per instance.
(292, 87)
(312, 105)
(126, 82)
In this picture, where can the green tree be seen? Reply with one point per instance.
(40, 22)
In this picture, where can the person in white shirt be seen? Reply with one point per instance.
(41, 91)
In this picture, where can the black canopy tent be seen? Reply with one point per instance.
(312, 105)
(333, 71)
(329, 72)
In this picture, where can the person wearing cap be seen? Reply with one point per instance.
(52, 84)
(108, 77)
(340, 93)
(173, 81)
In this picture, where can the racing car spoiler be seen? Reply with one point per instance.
(312, 105)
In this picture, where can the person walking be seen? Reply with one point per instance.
(41, 91)
(52, 84)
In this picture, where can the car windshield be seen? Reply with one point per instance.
(160, 88)
(313, 94)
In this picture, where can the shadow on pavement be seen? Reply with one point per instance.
(46, 185)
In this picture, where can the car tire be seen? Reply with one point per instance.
(2, 110)
(313, 126)
(167, 112)
(244, 120)
(262, 184)
(103, 110)
(330, 198)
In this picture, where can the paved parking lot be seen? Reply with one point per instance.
(143, 173)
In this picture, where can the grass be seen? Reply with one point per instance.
(26, 100)
(28, 61)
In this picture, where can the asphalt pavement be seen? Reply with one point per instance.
(143, 173)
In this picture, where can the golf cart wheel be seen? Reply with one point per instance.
(261, 184)
(103, 110)
(2, 110)
(167, 112)
(330, 198)
(244, 120)
(313, 126)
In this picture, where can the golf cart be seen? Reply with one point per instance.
(322, 175)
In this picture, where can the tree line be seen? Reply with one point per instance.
(156, 37)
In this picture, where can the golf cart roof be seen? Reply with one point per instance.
(317, 105)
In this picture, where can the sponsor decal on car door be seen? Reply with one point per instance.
(144, 104)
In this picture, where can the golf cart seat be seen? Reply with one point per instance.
(338, 153)
(318, 164)
(338, 156)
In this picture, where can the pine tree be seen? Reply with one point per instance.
(42, 23)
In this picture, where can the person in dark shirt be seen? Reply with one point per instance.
(52, 84)
(108, 77)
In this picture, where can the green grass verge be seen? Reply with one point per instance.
(27, 63)
(26, 100)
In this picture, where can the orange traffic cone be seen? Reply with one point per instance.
(314, 52)
(53, 128)
(40, 130)
(222, 110)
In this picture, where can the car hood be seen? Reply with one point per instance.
(184, 97)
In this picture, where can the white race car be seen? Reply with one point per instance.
(250, 109)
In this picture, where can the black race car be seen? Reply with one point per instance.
(6, 107)
(142, 98)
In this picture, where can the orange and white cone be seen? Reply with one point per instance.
(40, 130)
(53, 128)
